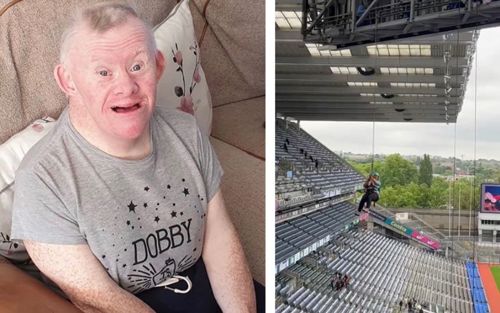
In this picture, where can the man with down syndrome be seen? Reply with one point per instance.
(122, 197)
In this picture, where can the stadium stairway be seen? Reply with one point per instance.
(477, 290)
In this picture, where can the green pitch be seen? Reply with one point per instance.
(495, 270)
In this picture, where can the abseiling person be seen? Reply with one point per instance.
(372, 191)
(122, 195)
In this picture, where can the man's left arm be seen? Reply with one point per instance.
(225, 261)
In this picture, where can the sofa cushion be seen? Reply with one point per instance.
(183, 84)
(243, 189)
(241, 124)
(239, 27)
(12, 153)
(228, 82)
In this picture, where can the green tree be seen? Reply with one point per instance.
(465, 194)
(414, 195)
(397, 171)
(399, 196)
(365, 168)
(425, 171)
(438, 193)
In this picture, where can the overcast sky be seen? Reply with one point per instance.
(433, 139)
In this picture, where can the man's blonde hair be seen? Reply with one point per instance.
(101, 18)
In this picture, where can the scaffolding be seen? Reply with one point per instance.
(346, 23)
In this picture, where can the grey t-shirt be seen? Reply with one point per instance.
(144, 220)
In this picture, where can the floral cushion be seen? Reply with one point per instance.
(183, 85)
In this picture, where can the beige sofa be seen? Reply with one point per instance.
(231, 36)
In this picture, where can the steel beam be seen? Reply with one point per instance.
(345, 90)
(377, 117)
(281, 105)
(465, 37)
(288, 5)
(434, 62)
(311, 99)
(369, 111)
(324, 79)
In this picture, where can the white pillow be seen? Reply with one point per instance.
(183, 85)
(12, 153)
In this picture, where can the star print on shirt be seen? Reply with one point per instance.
(131, 207)
(173, 214)
(146, 188)
(157, 219)
(185, 192)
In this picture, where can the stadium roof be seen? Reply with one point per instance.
(419, 79)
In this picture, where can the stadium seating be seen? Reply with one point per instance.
(332, 175)
(478, 296)
(296, 234)
(383, 271)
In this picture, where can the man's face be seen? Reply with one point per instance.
(114, 75)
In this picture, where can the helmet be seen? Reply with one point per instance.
(374, 174)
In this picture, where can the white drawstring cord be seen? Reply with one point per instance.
(175, 279)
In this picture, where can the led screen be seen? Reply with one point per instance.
(490, 198)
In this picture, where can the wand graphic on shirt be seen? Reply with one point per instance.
(167, 271)
(148, 277)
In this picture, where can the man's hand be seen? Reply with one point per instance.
(80, 275)
(224, 259)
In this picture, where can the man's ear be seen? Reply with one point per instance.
(160, 64)
(63, 79)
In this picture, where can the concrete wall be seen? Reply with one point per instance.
(440, 220)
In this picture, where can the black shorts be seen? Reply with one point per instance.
(199, 299)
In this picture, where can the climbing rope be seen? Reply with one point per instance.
(474, 256)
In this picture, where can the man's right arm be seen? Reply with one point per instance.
(81, 276)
